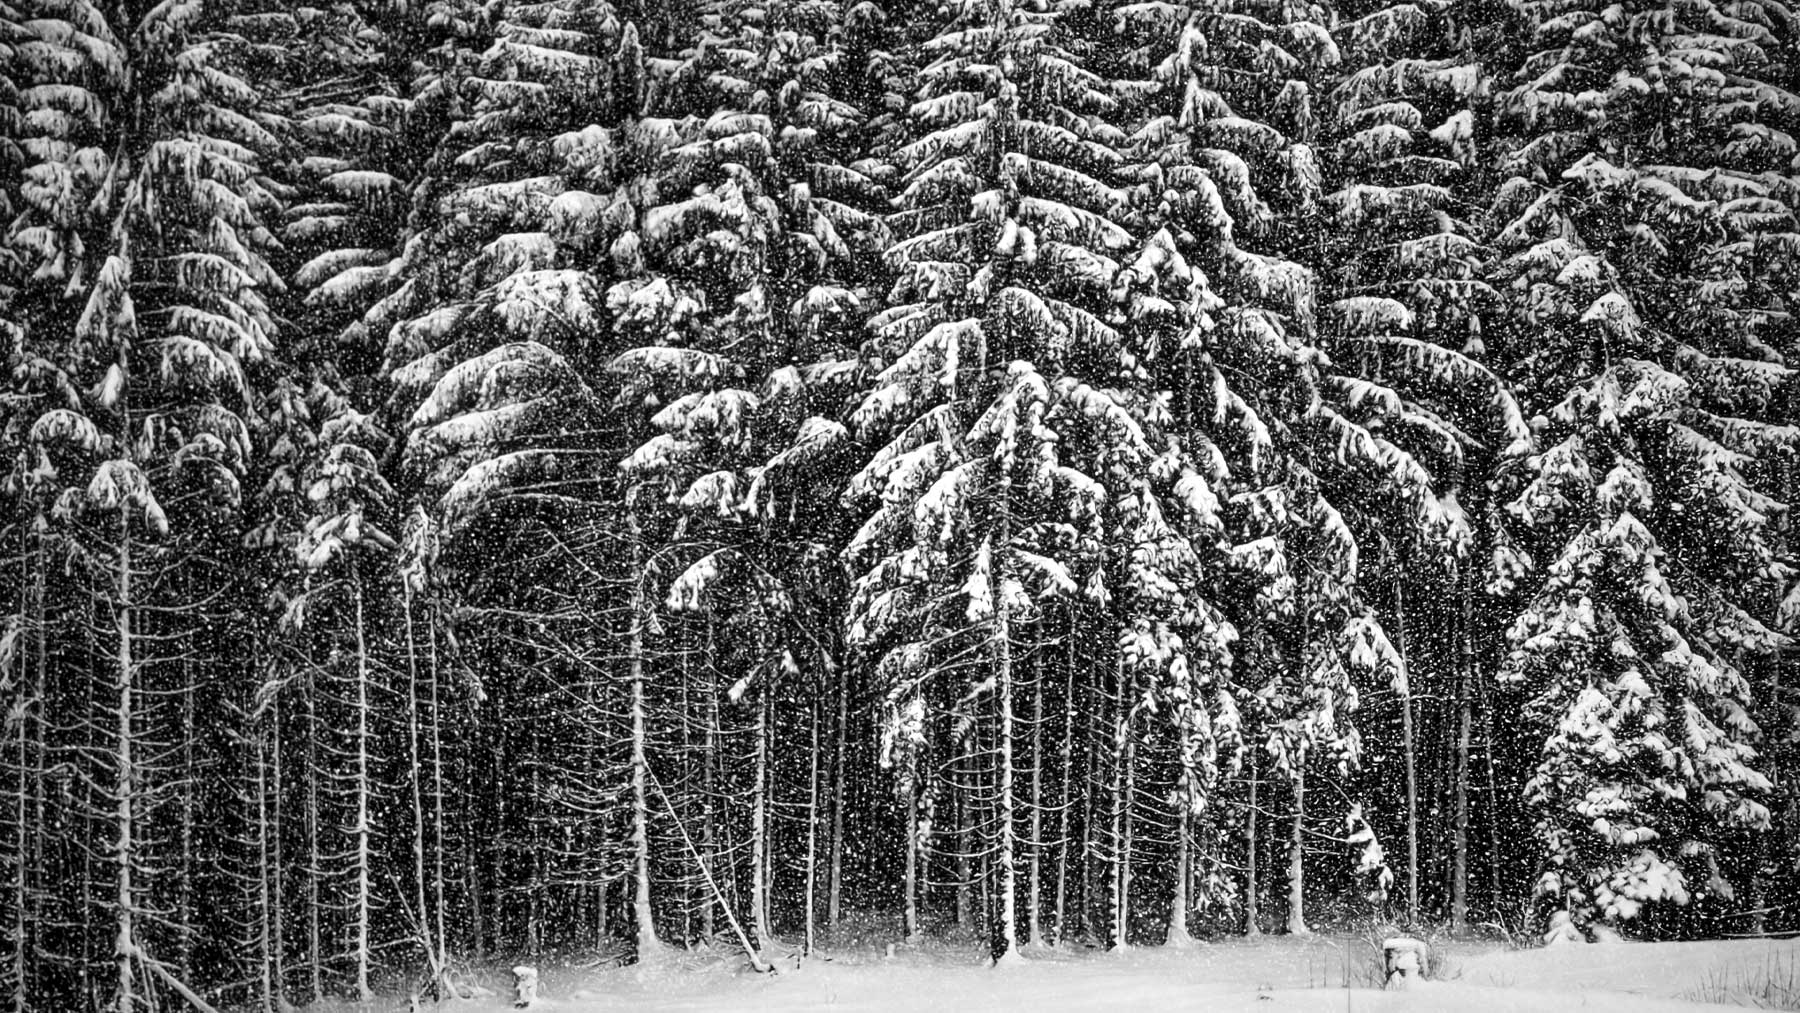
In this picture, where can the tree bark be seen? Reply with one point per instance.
(1251, 886)
(1296, 919)
(1407, 743)
(1034, 928)
(1006, 937)
(315, 859)
(417, 791)
(1123, 755)
(812, 837)
(709, 766)
(841, 732)
(1066, 786)
(362, 828)
(649, 946)
(125, 943)
(759, 827)
(1178, 935)
(1459, 841)
(910, 918)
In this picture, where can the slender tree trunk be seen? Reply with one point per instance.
(1006, 936)
(709, 838)
(835, 888)
(1066, 788)
(649, 946)
(534, 887)
(267, 913)
(910, 918)
(1098, 726)
(965, 846)
(364, 787)
(812, 838)
(1034, 927)
(1178, 901)
(277, 856)
(125, 779)
(759, 826)
(477, 896)
(28, 748)
(693, 888)
(1252, 889)
(315, 859)
(437, 796)
(1296, 920)
(417, 792)
(1459, 857)
(1123, 754)
(1407, 744)
(184, 836)
(1493, 798)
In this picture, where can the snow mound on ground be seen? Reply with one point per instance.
(1269, 975)
(1744, 972)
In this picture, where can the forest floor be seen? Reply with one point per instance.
(1272, 974)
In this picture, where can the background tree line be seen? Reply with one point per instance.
(490, 478)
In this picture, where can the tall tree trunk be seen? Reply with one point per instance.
(478, 928)
(417, 792)
(363, 900)
(1006, 934)
(965, 847)
(1098, 726)
(125, 781)
(1252, 888)
(1178, 901)
(759, 825)
(1493, 798)
(709, 782)
(315, 858)
(841, 731)
(1066, 785)
(182, 958)
(277, 857)
(1034, 927)
(1296, 919)
(1459, 846)
(437, 796)
(29, 774)
(812, 834)
(266, 911)
(648, 945)
(910, 916)
(1407, 745)
(1124, 754)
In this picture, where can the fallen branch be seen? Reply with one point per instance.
(156, 966)
(755, 955)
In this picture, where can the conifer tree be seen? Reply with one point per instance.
(1640, 236)
(142, 231)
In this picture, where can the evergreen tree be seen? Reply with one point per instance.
(142, 228)
(1640, 239)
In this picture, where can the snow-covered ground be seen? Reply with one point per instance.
(1275, 974)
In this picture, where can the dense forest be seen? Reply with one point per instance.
(492, 479)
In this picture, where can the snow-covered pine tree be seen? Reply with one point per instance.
(1645, 240)
(756, 279)
(142, 238)
(1309, 462)
(1401, 274)
(502, 320)
(23, 561)
(341, 613)
(970, 520)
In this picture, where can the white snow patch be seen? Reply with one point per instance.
(1275, 974)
